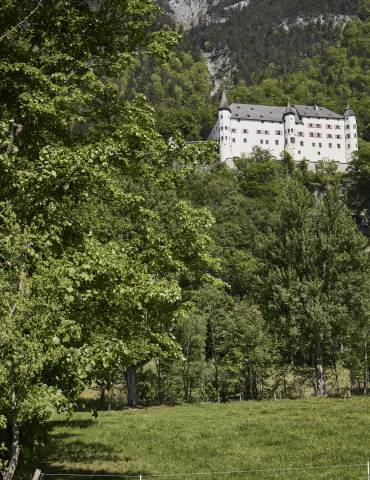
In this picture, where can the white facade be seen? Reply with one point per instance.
(307, 132)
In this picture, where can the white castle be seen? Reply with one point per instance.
(307, 132)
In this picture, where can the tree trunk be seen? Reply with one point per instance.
(131, 382)
(102, 398)
(159, 383)
(319, 369)
(285, 385)
(251, 384)
(9, 472)
(186, 382)
(366, 370)
(217, 387)
(337, 386)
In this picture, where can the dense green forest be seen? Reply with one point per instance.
(133, 259)
(270, 35)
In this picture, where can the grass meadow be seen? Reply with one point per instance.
(239, 437)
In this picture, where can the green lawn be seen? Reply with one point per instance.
(218, 438)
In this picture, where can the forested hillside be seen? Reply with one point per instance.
(338, 75)
(133, 260)
(271, 35)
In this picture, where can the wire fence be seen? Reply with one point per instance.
(356, 471)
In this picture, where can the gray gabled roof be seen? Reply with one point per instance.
(316, 111)
(276, 114)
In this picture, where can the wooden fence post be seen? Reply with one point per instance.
(36, 475)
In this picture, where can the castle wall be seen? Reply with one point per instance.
(313, 139)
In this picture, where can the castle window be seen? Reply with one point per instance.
(233, 130)
(245, 140)
(318, 153)
(348, 127)
(300, 134)
(276, 142)
(329, 127)
(278, 132)
(234, 140)
(319, 135)
(348, 135)
(330, 145)
(225, 128)
(314, 144)
(320, 145)
(338, 137)
(312, 134)
(348, 146)
(299, 152)
(338, 145)
(259, 132)
(245, 131)
(329, 135)
(310, 125)
(261, 142)
(292, 139)
(337, 127)
(222, 139)
(266, 132)
(318, 125)
(302, 144)
(355, 135)
(222, 128)
(266, 142)
(222, 116)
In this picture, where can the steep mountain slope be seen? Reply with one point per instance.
(249, 38)
(187, 13)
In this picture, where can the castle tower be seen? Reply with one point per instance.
(289, 129)
(224, 121)
(350, 133)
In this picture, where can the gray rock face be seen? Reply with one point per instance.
(188, 12)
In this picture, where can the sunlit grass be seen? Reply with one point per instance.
(241, 436)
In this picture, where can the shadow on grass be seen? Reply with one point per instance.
(62, 473)
(58, 473)
(73, 423)
(76, 451)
